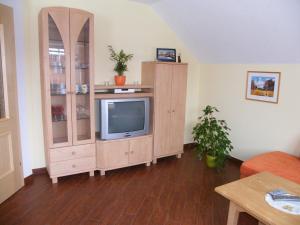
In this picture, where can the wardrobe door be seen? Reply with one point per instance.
(82, 72)
(55, 60)
(178, 99)
(162, 114)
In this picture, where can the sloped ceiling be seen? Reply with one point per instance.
(235, 31)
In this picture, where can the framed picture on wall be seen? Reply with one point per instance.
(263, 86)
(166, 54)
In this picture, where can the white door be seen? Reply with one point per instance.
(11, 174)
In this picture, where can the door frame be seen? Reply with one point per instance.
(13, 179)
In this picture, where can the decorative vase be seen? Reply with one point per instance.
(211, 161)
(120, 80)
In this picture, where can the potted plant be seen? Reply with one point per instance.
(212, 138)
(121, 60)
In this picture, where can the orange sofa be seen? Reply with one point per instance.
(278, 163)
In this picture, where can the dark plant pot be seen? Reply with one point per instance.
(211, 161)
(120, 80)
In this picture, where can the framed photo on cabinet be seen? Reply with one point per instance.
(166, 54)
(263, 86)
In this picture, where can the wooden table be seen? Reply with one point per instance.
(248, 195)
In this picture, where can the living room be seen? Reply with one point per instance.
(222, 43)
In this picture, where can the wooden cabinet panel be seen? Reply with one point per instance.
(178, 100)
(120, 153)
(162, 105)
(74, 152)
(112, 154)
(140, 150)
(170, 80)
(67, 70)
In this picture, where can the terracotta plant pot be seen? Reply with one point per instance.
(120, 80)
(211, 161)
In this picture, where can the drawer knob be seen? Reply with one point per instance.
(131, 152)
(73, 166)
(73, 153)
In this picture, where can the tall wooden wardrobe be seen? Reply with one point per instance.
(169, 81)
(67, 61)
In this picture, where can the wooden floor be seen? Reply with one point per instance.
(173, 192)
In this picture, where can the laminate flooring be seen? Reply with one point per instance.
(172, 192)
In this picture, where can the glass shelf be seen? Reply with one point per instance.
(57, 95)
(77, 68)
(57, 121)
(58, 41)
(60, 140)
(83, 118)
(84, 43)
(84, 94)
(58, 67)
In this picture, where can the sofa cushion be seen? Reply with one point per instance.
(278, 163)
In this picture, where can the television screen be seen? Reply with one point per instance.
(122, 118)
(126, 116)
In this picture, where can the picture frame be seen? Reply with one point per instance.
(263, 86)
(166, 54)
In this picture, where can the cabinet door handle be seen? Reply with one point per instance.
(131, 152)
(126, 153)
(173, 110)
(73, 153)
(73, 166)
(169, 111)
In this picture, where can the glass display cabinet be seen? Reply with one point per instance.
(66, 59)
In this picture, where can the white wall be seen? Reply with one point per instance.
(257, 127)
(18, 7)
(124, 24)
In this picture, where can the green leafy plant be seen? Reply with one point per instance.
(212, 137)
(120, 59)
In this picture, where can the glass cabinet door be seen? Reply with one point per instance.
(59, 86)
(82, 81)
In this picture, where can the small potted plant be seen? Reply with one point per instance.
(121, 60)
(212, 138)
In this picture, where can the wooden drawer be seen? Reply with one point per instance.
(74, 152)
(72, 166)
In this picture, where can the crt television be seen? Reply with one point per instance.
(121, 118)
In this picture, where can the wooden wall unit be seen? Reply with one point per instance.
(169, 81)
(67, 69)
(118, 153)
(113, 154)
(67, 82)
